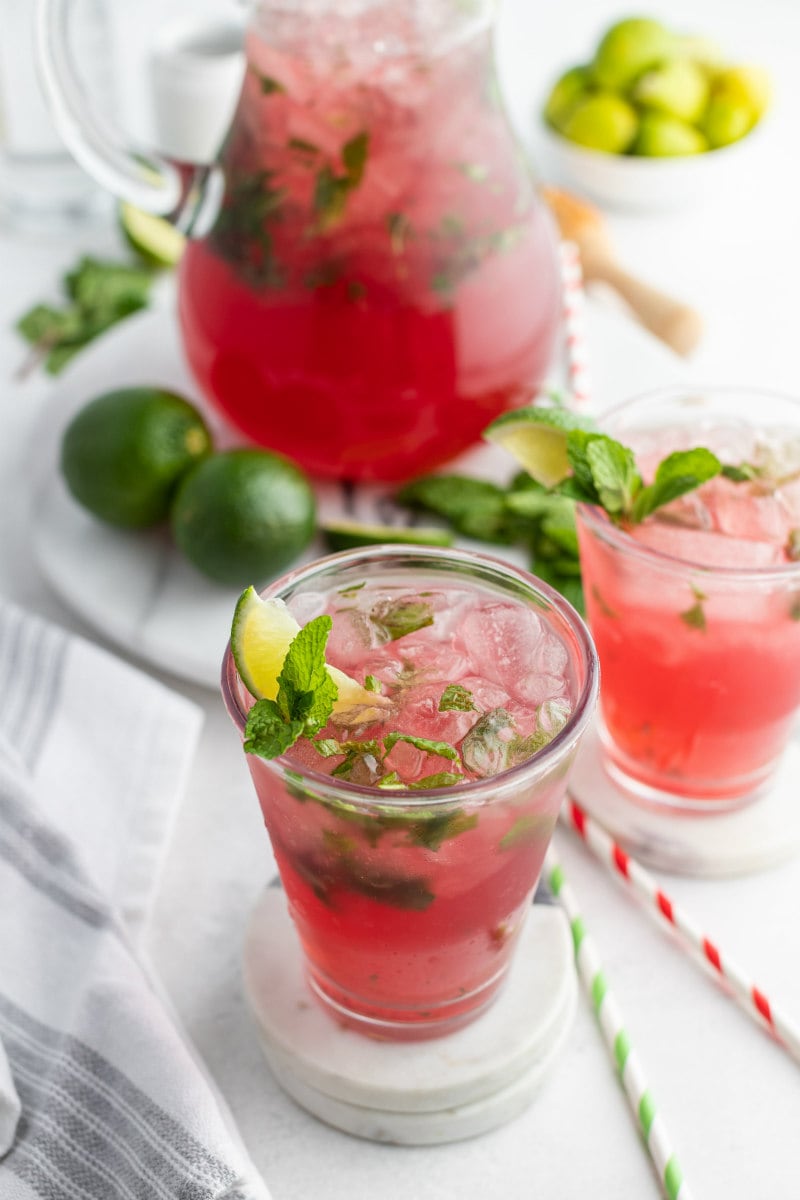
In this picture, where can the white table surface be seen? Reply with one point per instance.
(730, 1097)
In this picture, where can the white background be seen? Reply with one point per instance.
(729, 1096)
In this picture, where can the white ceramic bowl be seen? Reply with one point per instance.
(641, 184)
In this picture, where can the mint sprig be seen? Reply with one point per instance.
(305, 699)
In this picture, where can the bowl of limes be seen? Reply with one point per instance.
(654, 118)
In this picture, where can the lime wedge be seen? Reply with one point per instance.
(537, 439)
(345, 535)
(261, 633)
(152, 237)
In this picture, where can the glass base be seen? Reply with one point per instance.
(687, 796)
(418, 1093)
(409, 1025)
(709, 841)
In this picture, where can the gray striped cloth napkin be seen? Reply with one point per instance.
(104, 1099)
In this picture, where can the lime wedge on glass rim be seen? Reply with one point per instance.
(537, 438)
(261, 633)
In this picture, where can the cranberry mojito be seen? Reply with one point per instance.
(410, 831)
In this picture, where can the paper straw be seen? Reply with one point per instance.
(624, 1057)
(575, 324)
(691, 939)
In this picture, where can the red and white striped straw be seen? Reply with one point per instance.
(574, 302)
(691, 938)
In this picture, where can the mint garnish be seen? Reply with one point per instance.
(695, 617)
(677, 474)
(456, 698)
(306, 695)
(372, 684)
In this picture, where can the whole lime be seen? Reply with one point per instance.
(124, 452)
(602, 121)
(628, 49)
(565, 92)
(242, 515)
(678, 89)
(667, 137)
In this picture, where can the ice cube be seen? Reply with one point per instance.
(419, 714)
(706, 547)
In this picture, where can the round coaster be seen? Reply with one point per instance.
(412, 1093)
(732, 842)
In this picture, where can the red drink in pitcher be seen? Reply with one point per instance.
(381, 280)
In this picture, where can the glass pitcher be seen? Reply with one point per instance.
(370, 277)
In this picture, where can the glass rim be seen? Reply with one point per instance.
(369, 796)
(600, 523)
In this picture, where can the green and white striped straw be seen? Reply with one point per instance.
(625, 1058)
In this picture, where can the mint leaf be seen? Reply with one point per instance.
(440, 779)
(793, 545)
(372, 684)
(267, 84)
(306, 691)
(397, 618)
(678, 473)
(527, 828)
(443, 749)
(614, 474)
(267, 733)
(456, 698)
(354, 157)
(306, 695)
(474, 507)
(695, 616)
(741, 473)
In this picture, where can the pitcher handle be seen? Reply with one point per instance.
(187, 194)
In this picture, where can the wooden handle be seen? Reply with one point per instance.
(675, 323)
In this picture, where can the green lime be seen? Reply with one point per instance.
(667, 137)
(153, 238)
(564, 94)
(346, 535)
(630, 48)
(243, 514)
(601, 121)
(123, 454)
(749, 87)
(261, 634)
(537, 438)
(678, 89)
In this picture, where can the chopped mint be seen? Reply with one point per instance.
(439, 780)
(456, 698)
(267, 84)
(397, 618)
(332, 189)
(306, 695)
(527, 828)
(435, 830)
(373, 684)
(793, 545)
(741, 472)
(302, 146)
(695, 617)
(442, 749)
(392, 781)
(352, 588)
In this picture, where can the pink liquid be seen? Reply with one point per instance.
(700, 673)
(381, 282)
(408, 912)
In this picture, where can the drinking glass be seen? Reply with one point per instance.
(696, 617)
(408, 904)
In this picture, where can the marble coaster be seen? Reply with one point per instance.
(412, 1093)
(733, 842)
